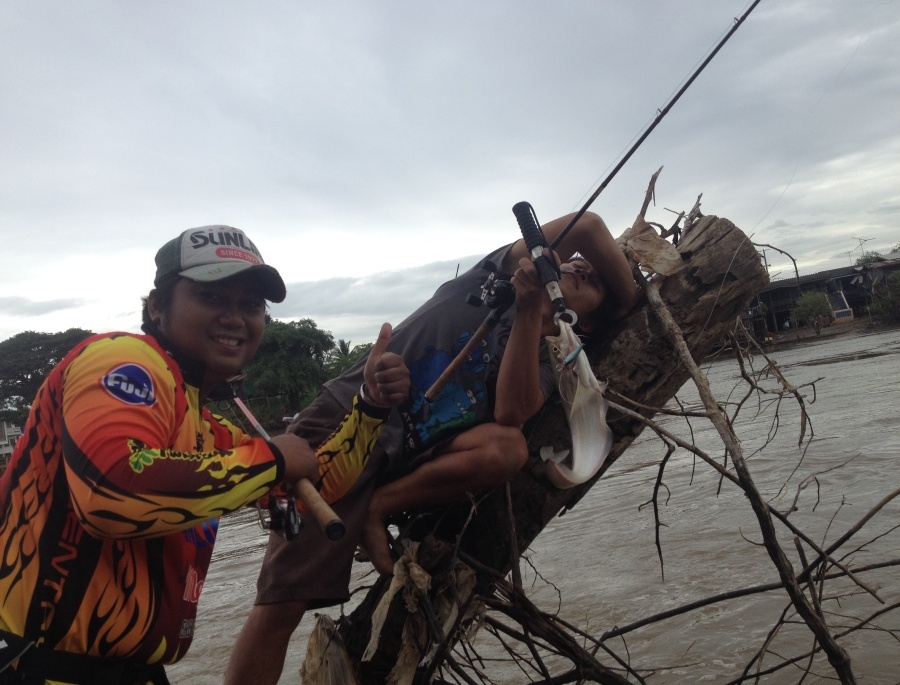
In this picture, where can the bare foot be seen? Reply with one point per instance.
(374, 540)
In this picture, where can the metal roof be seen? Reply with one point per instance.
(891, 260)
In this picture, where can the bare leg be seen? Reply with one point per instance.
(259, 652)
(481, 458)
(374, 540)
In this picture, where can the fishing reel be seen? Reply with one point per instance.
(496, 292)
(280, 516)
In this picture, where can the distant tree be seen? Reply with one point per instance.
(290, 362)
(867, 258)
(896, 247)
(810, 306)
(342, 357)
(339, 358)
(886, 304)
(25, 361)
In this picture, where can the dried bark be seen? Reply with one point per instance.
(721, 273)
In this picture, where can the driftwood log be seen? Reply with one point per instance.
(718, 273)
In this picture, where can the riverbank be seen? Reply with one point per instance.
(808, 333)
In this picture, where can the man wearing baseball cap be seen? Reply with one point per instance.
(110, 504)
(212, 253)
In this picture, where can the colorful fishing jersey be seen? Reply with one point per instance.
(110, 503)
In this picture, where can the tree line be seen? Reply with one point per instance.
(293, 361)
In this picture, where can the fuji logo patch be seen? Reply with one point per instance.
(131, 384)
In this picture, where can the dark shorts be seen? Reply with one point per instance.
(312, 568)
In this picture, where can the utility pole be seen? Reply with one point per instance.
(765, 261)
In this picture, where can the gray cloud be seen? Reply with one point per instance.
(385, 136)
(355, 308)
(22, 306)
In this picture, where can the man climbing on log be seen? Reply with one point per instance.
(466, 439)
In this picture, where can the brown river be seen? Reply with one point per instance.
(598, 564)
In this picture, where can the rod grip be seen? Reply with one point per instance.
(326, 518)
(536, 242)
(528, 224)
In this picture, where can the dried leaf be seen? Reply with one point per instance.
(380, 613)
(652, 252)
(327, 662)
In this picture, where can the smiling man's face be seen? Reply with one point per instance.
(218, 323)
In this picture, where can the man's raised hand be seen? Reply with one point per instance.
(386, 375)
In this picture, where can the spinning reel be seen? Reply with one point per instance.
(280, 515)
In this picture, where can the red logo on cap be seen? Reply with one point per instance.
(231, 253)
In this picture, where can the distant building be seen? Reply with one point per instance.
(8, 436)
(842, 311)
(849, 289)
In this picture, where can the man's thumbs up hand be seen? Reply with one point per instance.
(386, 375)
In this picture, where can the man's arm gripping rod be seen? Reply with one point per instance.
(547, 270)
(330, 522)
(499, 294)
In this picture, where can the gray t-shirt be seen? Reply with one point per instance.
(428, 340)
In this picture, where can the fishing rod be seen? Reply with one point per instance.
(659, 117)
(287, 518)
(536, 242)
(497, 293)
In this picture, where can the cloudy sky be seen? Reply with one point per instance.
(371, 149)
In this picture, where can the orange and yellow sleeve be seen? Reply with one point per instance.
(344, 455)
(143, 459)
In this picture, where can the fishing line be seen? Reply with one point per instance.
(722, 284)
(659, 117)
(815, 108)
(625, 147)
(790, 181)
